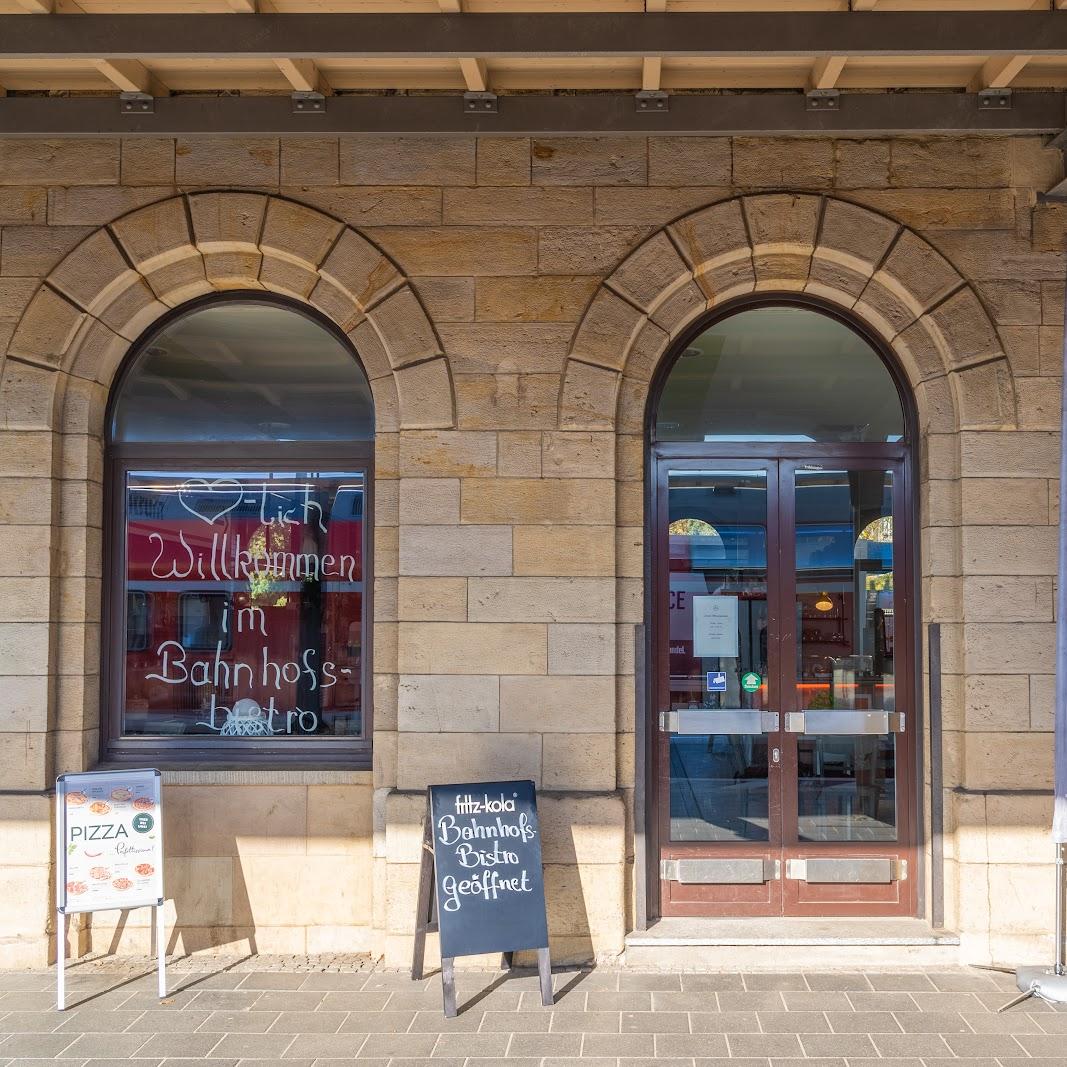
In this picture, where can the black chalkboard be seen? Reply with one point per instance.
(486, 890)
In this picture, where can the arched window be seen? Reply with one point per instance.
(240, 443)
(779, 373)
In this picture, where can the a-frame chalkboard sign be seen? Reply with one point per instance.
(481, 885)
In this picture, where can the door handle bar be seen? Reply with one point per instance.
(719, 721)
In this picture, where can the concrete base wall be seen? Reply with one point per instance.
(511, 300)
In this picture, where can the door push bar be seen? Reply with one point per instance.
(715, 721)
(844, 722)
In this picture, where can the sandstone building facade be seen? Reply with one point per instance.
(514, 303)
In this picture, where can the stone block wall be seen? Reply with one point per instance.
(511, 299)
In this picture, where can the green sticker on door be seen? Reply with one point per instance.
(750, 681)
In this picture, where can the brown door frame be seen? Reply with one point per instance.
(780, 462)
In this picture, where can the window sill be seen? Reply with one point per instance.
(245, 775)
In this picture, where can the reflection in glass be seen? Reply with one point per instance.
(243, 371)
(245, 594)
(717, 526)
(845, 651)
(779, 374)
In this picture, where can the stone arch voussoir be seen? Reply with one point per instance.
(126, 275)
(886, 275)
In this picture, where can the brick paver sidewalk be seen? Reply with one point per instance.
(226, 1015)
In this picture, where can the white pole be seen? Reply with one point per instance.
(61, 960)
(161, 952)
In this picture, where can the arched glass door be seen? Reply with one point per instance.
(785, 734)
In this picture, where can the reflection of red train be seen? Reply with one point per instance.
(244, 604)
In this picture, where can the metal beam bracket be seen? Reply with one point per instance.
(994, 99)
(137, 104)
(652, 100)
(480, 103)
(823, 100)
(308, 103)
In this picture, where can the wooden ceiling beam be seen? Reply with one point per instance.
(303, 75)
(129, 76)
(825, 71)
(475, 74)
(998, 72)
(38, 7)
(795, 34)
(243, 7)
(651, 74)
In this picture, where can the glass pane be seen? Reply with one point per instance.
(718, 651)
(244, 371)
(244, 596)
(845, 651)
(779, 374)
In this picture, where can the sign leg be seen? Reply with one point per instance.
(544, 971)
(424, 908)
(61, 961)
(161, 951)
(448, 986)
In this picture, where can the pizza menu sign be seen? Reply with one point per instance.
(109, 841)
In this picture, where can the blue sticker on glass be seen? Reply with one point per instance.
(716, 681)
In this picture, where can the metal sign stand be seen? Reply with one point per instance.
(62, 913)
(426, 922)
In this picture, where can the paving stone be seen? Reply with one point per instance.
(244, 1022)
(691, 1045)
(32, 1022)
(768, 1001)
(837, 981)
(882, 1001)
(764, 1045)
(1007, 1023)
(395, 1045)
(272, 1000)
(91, 1019)
(631, 1000)
(363, 1000)
(237, 999)
(396, 1022)
(619, 1045)
(655, 1022)
(580, 1022)
(693, 1000)
(163, 1022)
(819, 1001)
(932, 1022)
(552, 1044)
(93, 1046)
(793, 1022)
(514, 1022)
(946, 1001)
(1042, 1045)
(166, 1045)
(334, 982)
(780, 982)
(838, 1045)
(274, 980)
(333, 1046)
(906, 982)
(724, 1022)
(308, 1022)
(863, 1022)
(471, 1045)
(911, 1045)
(252, 1046)
(695, 983)
(651, 983)
(38, 1045)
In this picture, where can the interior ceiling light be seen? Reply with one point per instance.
(824, 603)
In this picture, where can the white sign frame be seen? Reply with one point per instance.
(715, 626)
(147, 782)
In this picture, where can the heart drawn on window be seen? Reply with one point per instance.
(210, 501)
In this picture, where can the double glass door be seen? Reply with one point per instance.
(785, 733)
